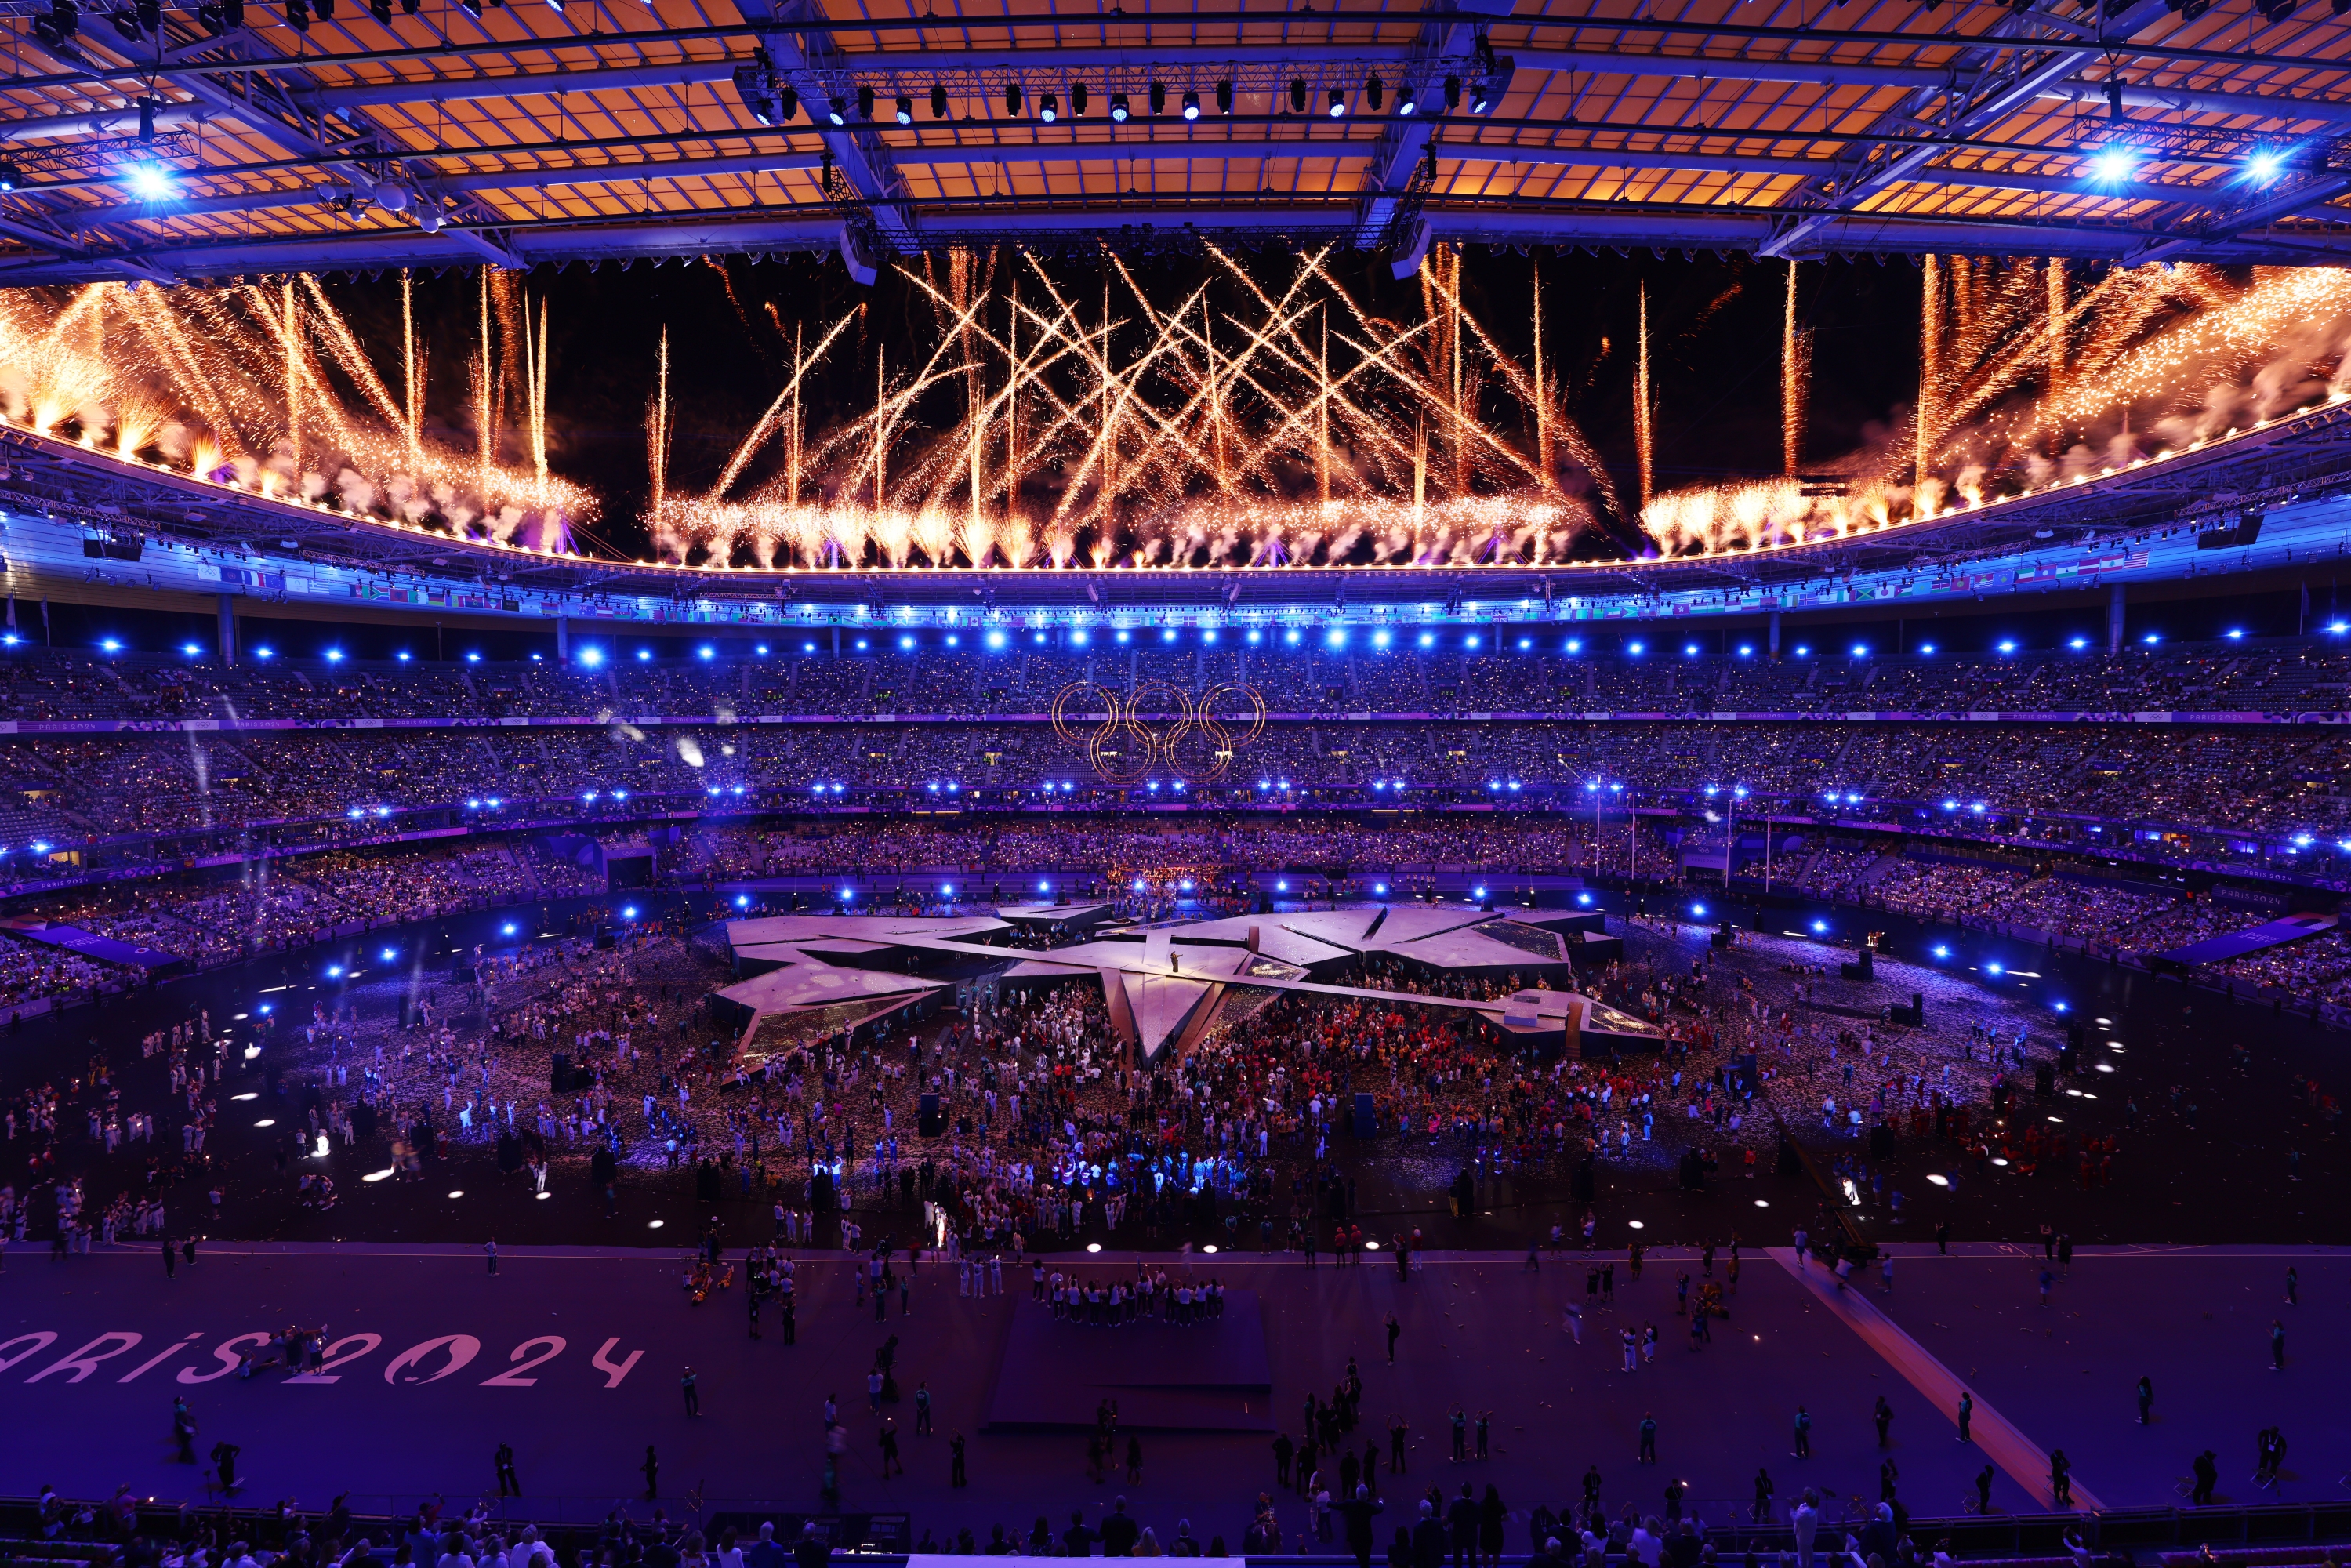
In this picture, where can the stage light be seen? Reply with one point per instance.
(2233, 635)
(389, 955)
(1118, 109)
(334, 655)
(1689, 650)
(1820, 925)
(864, 103)
(1297, 94)
(1407, 99)
(1191, 104)
(112, 646)
(507, 929)
(1926, 647)
(1698, 911)
(904, 111)
(1158, 98)
(1012, 97)
(938, 102)
(1338, 103)
(1077, 101)
(1861, 650)
(1452, 94)
(1224, 97)
(1375, 92)
(2111, 165)
(644, 655)
(2152, 638)
(592, 657)
(1049, 109)
(2264, 166)
(1634, 649)
(1746, 650)
(838, 110)
(707, 652)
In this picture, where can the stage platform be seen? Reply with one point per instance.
(1210, 1376)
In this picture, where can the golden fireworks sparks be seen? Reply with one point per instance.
(2027, 380)
(267, 389)
(1296, 426)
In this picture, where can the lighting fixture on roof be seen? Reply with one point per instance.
(1338, 103)
(905, 109)
(298, 15)
(1118, 108)
(1012, 97)
(864, 103)
(1049, 109)
(1224, 97)
(1297, 94)
(11, 176)
(1452, 94)
(1191, 104)
(2111, 165)
(63, 22)
(938, 102)
(1407, 99)
(1077, 101)
(838, 110)
(2267, 163)
(1158, 98)
(149, 182)
(1375, 92)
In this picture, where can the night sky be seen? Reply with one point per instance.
(1715, 326)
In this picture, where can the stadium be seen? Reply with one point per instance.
(1160, 783)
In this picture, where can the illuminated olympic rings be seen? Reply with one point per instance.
(1124, 741)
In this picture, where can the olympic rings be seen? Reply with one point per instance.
(1123, 747)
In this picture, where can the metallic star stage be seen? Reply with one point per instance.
(1168, 984)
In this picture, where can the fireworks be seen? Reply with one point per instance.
(267, 389)
(2024, 383)
(1296, 426)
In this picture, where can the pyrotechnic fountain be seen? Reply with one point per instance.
(265, 388)
(2027, 380)
(1245, 423)
(1295, 425)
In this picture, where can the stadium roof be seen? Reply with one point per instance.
(345, 135)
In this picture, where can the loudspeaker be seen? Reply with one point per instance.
(933, 1121)
(558, 1073)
